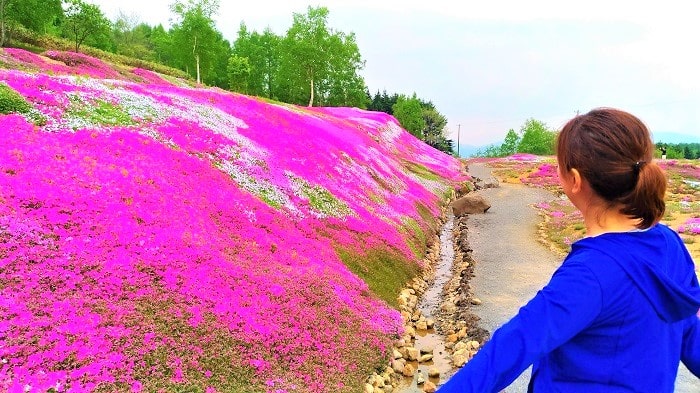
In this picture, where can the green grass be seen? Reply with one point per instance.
(421, 171)
(12, 102)
(99, 112)
(385, 272)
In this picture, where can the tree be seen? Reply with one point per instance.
(510, 143)
(194, 35)
(131, 37)
(383, 102)
(161, 42)
(35, 15)
(409, 113)
(435, 124)
(262, 52)
(320, 64)
(536, 138)
(84, 20)
(238, 73)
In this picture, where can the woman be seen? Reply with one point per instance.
(621, 311)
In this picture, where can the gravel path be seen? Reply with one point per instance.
(511, 266)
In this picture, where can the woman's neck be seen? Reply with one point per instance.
(607, 220)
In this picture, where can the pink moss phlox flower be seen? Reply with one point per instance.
(149, 77)
(690, 226)
(523, 157)
(216, 213)
(84, 65)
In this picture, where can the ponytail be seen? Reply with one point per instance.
(646, 200)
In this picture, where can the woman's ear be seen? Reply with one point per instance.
(576, 181)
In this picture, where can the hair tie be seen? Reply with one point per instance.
(638, 166)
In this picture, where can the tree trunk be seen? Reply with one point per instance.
(199, 80)
(196, 58)
(2, 23)
(311, 99)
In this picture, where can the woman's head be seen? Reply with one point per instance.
(613, 152)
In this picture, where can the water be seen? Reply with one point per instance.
(428, 307)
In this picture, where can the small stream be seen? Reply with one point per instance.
(428, 307)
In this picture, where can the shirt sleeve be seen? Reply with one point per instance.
(690, 353)
(568, 304)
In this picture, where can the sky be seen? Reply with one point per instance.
(489, 66)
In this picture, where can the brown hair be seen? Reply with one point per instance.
(613, 151)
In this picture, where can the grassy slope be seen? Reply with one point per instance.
(160, 236)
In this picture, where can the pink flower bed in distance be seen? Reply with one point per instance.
(690, 226)
(204, 215)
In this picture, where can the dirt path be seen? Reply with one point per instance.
(510, 266)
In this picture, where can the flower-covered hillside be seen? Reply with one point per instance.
(158, 237)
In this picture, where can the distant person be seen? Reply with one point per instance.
(621, 312)
(663, 152)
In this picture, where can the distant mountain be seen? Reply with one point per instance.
(673, 138)
(468, 150)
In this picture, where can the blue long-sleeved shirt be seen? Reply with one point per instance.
(618, 315)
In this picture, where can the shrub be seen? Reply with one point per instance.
(12, 102)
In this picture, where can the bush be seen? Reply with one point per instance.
(12, 102)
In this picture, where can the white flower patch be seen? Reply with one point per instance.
(138, 106)
(378, 159)
(322, 202)
(261, 188)
(390, 132)
(435, 186)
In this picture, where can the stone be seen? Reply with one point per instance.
(459, 360)
(408, 371)
(430, 323)
(420, 379)
(470, 204)
(475, 301)
(425, 358)
(433, 372)
(429, 387)
(412, 354)
(398, 365)
(369, 388)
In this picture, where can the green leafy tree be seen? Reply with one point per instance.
(262, 52)
(83, 21)
(489, 151)
(319, 64)
(131, 37)
(238, 73)
(435, 124)
(344, 86)
(510, 143)
(409, 113)
(36, 15)
(194, 36)
(161, 41)
(536, 138)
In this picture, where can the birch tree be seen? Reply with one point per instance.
(194, 34)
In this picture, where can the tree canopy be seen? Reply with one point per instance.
(534, 138)
(319, 65)
(82, 21)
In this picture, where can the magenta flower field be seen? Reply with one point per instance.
(160, 237)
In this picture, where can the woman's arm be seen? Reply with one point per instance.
(690, 353)
(568, 304)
